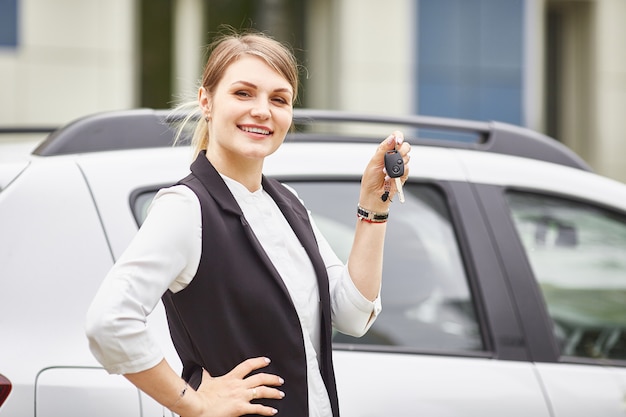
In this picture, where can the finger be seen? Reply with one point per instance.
(406, 159)
(406, 155)
(249, 365)
(404, 148)
(399, 136)
(405, 176)
(264, 379)
(259, 409)
(265, 392)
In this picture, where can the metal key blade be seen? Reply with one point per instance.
(399, 188)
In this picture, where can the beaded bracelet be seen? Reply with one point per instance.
(371, 216)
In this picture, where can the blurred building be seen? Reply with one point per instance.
(61, 59)
(557, 66)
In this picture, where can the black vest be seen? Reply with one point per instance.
(237, 306)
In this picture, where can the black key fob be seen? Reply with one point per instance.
(394, 165)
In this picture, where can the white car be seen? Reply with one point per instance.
(504, 290)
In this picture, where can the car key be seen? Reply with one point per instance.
(394, 165)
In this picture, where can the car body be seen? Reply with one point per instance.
(504, 288)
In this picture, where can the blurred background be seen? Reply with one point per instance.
(556, 66)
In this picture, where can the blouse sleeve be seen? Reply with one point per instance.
(163, 255)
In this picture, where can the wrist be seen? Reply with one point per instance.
(187, 403)
(376, 205)
(374, 201)
(371, 216)
(181, 395)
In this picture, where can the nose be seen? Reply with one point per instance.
(260, 110)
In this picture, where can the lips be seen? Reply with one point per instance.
(256, 129)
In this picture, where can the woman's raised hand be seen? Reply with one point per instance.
(375, 180)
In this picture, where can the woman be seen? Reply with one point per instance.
(250, 286)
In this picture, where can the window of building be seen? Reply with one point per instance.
(578, 256)
(8, 23)
(569, 66)
(283, 20)
(470, 59)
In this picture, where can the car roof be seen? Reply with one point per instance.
(150, 128)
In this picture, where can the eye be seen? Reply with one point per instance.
(242, 93)
(280, 100)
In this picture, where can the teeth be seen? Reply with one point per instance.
(255, 130)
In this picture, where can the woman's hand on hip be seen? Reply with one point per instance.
(232, 394)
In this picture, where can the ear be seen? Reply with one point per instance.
(204, 100)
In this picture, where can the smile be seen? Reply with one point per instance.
(258, 130)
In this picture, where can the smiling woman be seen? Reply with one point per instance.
(251, 288)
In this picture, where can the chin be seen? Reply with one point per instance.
(261, 152)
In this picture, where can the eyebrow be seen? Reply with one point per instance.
(249, 84)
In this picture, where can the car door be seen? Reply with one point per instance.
(566, 264)
(447, 342)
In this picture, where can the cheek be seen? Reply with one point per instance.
(285, 120)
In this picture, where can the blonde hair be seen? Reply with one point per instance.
(223, 52)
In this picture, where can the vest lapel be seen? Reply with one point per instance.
(217, 188)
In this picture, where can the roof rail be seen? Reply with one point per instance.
(490, 136)
(25, 130)
(109, 131)
(148, 128)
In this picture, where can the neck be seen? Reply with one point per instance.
(248, 173)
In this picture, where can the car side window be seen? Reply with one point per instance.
(578, 256)
(140, 202)
(427, 303)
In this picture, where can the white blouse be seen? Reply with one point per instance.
(162, 256)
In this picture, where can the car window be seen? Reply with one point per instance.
(578, 256)
(140, 202)
(427, 304)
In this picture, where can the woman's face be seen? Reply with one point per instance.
(250, 112)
